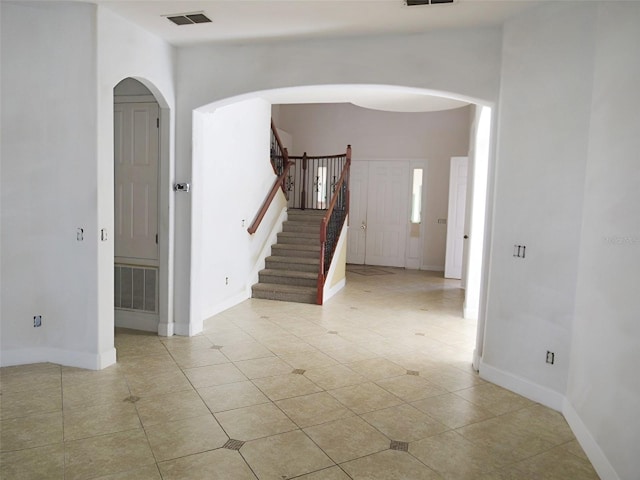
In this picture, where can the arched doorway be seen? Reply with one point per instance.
(138, 265)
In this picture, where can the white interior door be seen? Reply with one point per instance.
(358, 193)
(456, 217)
(136, 150)
(379, 213)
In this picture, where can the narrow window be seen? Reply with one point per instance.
(416, 196)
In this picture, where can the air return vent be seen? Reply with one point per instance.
(413, 3)
(188, 18)
(136, 288)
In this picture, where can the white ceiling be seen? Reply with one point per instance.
(241, 21)
(251, 21)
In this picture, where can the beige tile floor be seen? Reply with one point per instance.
(376, 384)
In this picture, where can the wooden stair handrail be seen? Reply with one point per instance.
(278, 184)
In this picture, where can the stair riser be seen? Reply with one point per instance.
(301, 282)
(298, 240)
(298, 267)
(282, 251)
(285, 297)
(314, 229)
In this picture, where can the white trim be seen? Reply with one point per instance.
(596, 456)
(522, 386)
(147, 322)
(470, 313)
(165, 329)
(477, 360)
(330, 292)
(69, 358)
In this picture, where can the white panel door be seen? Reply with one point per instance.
(456, 217)
(387, 213)
(136, 180)
(358, 193)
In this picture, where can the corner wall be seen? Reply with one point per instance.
(603, 392)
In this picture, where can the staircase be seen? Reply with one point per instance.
(291, 272)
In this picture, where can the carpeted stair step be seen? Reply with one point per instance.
(296, 250)
(289, 277)
(285, 293)
(299, 238)
(300, 264)
(307, 216)
(301, 227)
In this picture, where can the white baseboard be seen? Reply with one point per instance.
(522, 386)
(597, 457)
(470, 313)
(147, 322)
(69, 358)
(165, 329)
(477, 360)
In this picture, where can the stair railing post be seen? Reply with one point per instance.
(304, 181)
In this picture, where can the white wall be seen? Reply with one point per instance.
(543, 134)
(49, 146)
(232, 176)
(321, 129)
(124, 50)
(57, 173)
(464, 61)
(604, 384)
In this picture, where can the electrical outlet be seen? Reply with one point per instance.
(37, 321)
(80, 234)
(551, 357)
(226, 280)
(519, 251)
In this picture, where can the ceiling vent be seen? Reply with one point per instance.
(188, 18)
(413, 3)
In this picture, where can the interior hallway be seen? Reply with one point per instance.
(375, 384)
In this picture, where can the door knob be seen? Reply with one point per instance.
(465, 237)
(363, 226)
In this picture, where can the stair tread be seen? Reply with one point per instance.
(278, 287)
(297, 246)
(301, 234)
(291, 259)
(288, 273)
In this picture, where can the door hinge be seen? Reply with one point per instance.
(157, 123)
(156, 238)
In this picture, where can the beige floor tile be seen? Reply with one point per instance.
(158, 384)
(347, 438)
(111, 390)
(107, 454)
(308, 360)
(170, 407)
(221, 464)
(150, 472)
(181, 345)
(404, 423)
(100, 420)
(214, 375)
(186, 358)
(255, 422)
(38, 377)
(452, 379)
(30, 432)
(246, 351)
(286, 386)
(493, 398)
(134, 350)
(72, 376)
(453, 457)
(365, 397)
(557, 464)
(23, 403)
(148, 365)
(331, 473)
(452, 411)
(185, 437)
(314, 409)
(35, 463)
(377, 368)
(349, 353)
(229, 337)
(410, 387)
(264, 367)
(575, 448)
(231, 396)
(389, 464)
(334, 376)
(284, 456)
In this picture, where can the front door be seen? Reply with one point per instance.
(379, 213)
